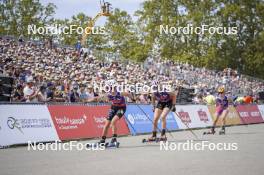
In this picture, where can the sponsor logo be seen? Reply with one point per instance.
(131, 119)
(20, 124)
(13, 123)
(255, 114)
(250, 114)
(66, 123)
(137, 118)
(203, 116)
(99, 121)
(185, 117)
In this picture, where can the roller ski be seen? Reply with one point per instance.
(157, 139)
(209, 132)
(113, 144)
(154, 138)
(101, 143)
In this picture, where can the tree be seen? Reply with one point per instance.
(17, 15)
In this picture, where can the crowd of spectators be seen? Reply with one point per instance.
(45, 74)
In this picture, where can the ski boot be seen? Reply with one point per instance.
(102, 141)
(153, 137)
(163, 136)
(97, 144)
(113, 142)
(222, 131)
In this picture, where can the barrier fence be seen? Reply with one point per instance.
(45, 123)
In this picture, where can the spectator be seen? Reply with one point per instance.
(248, 99)
(50, 92)
(74, 95)
(209, 99)
(18, 94)
(90, 92)
(83, 94)
(30, 92)
(42, 95)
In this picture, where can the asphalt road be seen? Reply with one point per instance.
(134, 157)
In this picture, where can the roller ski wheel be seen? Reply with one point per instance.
(209, 132)
(95, 145)
(101, 143)
(150, 140)
(162, 139)
(112, 144)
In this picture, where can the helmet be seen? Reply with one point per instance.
(221, 90)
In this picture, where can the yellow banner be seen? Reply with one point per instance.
(231, 119)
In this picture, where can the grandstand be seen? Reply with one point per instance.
(64, 68)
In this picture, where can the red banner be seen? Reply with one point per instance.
(75, 122)
(249, 114)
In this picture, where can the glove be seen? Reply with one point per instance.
(173, 108)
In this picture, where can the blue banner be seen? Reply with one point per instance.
(140, 117)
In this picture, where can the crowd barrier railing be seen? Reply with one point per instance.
(20, 123)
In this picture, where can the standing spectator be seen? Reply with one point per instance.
(50, 91)
(42, 95)
(18, 94)
(143, 98)
(91, 93)
(74, 95)
(30, 92)
(248, 99)
(83, 94)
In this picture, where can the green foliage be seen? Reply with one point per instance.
(17, 15)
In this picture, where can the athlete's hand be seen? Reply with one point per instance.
(173, 108)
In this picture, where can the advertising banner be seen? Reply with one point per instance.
(140, 118)
(231, 119)
(261, 110)
(22, 123)
(79, 121)
(249, 114)
(194, 116)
